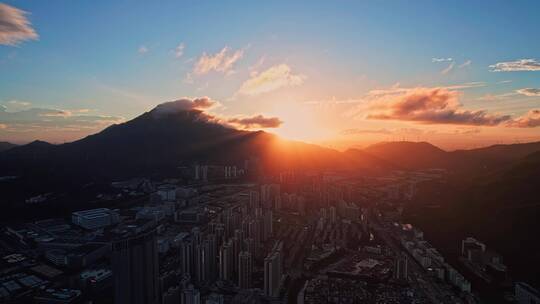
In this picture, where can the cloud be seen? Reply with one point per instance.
(17, 105)
(388, 95)
(467, 131)
(44, 120)
(179, 50)
(204, 104)
(253, 69)
(271, 79)
(412, 131)
(396, 89)
(142, 50)
(431, 106)
(14, 26)
(365, 131)
(492, 97)
(530, 119)
(223, 61)
(529, 92)
(465, 64)
(185, 104)
(255, 122)
(467, 85)
(448, 69)
(518, 65)
(441, 59)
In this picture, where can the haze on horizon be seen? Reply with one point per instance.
(459, 74)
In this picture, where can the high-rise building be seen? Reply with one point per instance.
(245, 268)
(323, 214)
(239, 234)
(253, 228)
(215, 298)
(401, 267)
(186, 256)
(271, 196)
(199, 263)
(267, 225)
(191, 295)
(254, 200)
(135, 268)
(196, 235)
(237, 247)
(171, 296)
(251, 246)
(210, 255)
(273, 270)
(333, 214)
(226, 263)
(526, 294)
(220, 234)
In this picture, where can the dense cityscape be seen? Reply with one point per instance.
(269, 152)
(232, 235)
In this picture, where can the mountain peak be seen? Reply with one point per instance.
(39, 143)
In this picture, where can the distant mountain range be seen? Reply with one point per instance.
(495, 200)
(4, 145)
(158, 141)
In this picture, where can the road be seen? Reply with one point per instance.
(417, 274)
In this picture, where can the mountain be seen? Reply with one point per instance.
(365, 161)
(159, 141)
(410, 155)
(4, 145)
(463, 163)
(500, 207)
(510, 152)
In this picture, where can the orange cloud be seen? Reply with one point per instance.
(223, 61)
(272, 79)
(256, 122)
(533, 92)
(431, 106)
(531, 119)
(14, 26)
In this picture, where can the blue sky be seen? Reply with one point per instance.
(118, 59)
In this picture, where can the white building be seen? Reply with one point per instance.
(94, 218)
(167, 193)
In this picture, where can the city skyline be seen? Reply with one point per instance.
(459, 75)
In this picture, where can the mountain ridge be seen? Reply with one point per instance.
(4, 146)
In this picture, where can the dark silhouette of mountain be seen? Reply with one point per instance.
(364, 160)
(159, 141)
(4, 145)
(501, 207)
(410, 155)
(510, 152)
(463, 163)
(167, 136)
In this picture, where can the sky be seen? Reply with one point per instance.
(459, 74)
